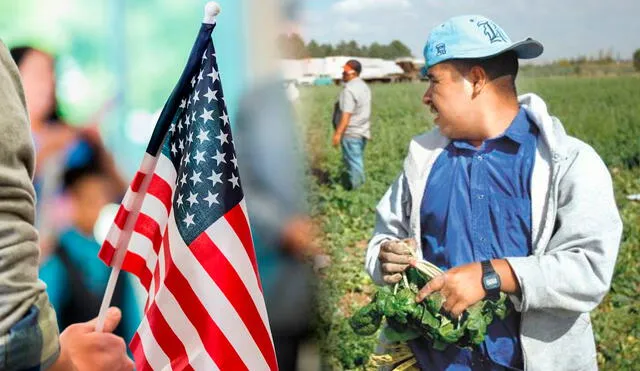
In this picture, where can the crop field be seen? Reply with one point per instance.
(604, 112)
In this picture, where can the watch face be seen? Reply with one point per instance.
(491, 281)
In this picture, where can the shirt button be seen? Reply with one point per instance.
(479, 157)
(480, 197)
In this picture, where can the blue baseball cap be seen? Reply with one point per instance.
(473, 36)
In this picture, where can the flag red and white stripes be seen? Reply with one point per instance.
(205, 309)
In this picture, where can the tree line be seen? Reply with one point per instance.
(293, 46)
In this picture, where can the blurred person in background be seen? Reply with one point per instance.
(53, 140)
(29, 337)
(272, 157)
(76, 278)
(351, 121)
(273, 183)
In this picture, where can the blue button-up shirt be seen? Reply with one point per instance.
(477, 206)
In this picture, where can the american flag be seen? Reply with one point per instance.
(183, 231)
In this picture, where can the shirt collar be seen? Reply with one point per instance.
(519, 127)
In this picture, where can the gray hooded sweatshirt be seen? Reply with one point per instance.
(576, 231)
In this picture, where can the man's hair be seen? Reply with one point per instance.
(502, 65)
(355, 65)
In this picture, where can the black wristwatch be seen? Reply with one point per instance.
(490, 281)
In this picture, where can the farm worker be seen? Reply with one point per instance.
(351, 120)
(500, 197)
(28, 328)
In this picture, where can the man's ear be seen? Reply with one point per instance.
(478, 78)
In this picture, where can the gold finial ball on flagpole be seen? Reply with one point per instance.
(211, 10)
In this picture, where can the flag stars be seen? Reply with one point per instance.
(215, 178)
(234, 180)
(204, 187)
(195, 178)
(203, 136)
(222, 138)
(212, 198)
(213, 74)
(225, 118)
(219, 157)
(188, 220)
(193, 199)
(206, 115)
(211, 95)
(199, 157)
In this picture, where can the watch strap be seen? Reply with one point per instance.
(487, 269)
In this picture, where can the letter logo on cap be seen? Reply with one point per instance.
(441, 49)
(492, 31)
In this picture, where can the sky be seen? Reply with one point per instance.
(566, 28)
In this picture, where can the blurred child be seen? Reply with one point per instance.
(76, 278)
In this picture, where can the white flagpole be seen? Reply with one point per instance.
(149, 165)
(211, 10)
(121, 249)
(106, 299)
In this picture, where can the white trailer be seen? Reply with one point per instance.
(306, 71)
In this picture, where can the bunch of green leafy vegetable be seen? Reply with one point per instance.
(408, 320)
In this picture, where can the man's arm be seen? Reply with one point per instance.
(29, 336)
(462, 286)
(347, 107)
(28, 327)
(342, 126)
(392, 224)
(575, 272)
